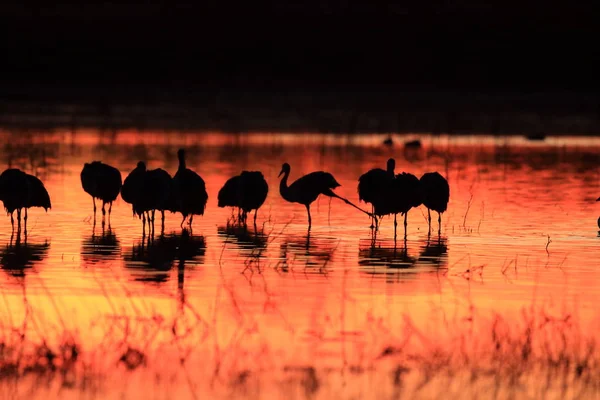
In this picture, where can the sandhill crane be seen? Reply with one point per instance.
(436, 193)
(248, 191)
(18, 191)
(374, 185)
(307, 188)
(101, 181)
(189, 191)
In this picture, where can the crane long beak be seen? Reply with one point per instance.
(281, 173)
(598, 199)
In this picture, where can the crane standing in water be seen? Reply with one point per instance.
(436, 194)
(148, 191)
(101, 181)
(307, 188)
(189, 191)
(247, 191)
(374, 185)
(18, 191)
(405, 194)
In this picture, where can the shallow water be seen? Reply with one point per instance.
(520, 230)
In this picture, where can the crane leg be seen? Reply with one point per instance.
(109, 209)
(103, 210)
(19, 220)
(395, 226)
(25, 221)
(309, 218)
(182, 221)
(94, 201)
(191, 219)
(405, 223)
(439, 223)
(255, 212)
(429, 217)
(153, 215)
(12, 221)
(162, 227)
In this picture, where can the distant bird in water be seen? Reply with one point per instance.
(374, 186)
(101, 181)
(436, 194)
(189, 191)
(306, 189)
(598, 199)
(413, 144)
(18, 191)
(247, 191)
(388, 141)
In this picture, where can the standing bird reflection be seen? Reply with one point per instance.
(374, 185)
(101, 181)
(436, 194)
(307, 188)
(247, 191)
(189, 191)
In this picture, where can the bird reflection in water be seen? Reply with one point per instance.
(384, 257)
(17, 257)
(100, 247)
(434, 252)
(314, 253)
(246, 240)
(151, 259)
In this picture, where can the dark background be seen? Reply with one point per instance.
(190, 53)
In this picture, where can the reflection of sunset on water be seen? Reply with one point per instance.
(520, 230)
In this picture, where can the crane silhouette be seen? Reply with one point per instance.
(18, 191)
(406, 194)
(103, 182)
(148, 191)
(189, 191)
(247, 191)
(436, 193)
(373, 186)
(307, 188)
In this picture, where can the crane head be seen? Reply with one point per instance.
(285, 169)
(598, 199)
(391, 165)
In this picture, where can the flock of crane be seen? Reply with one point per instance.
(151, 190)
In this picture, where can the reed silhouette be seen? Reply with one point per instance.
(103, 182)
(374, 185)
(435, 193)
(189, 192)
(247, 191)
(307, 188)
(20, 191)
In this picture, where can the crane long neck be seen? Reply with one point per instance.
(283, 186)
(182, 163)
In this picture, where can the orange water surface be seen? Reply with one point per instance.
(233, 313)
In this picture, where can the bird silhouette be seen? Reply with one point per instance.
(406, 194)
(374, 185)
(132, 185)
(247, 191)
(148, 191)
(307, 188)
(18, 191)
(189, 191)
(101, 181)
(435, 193)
